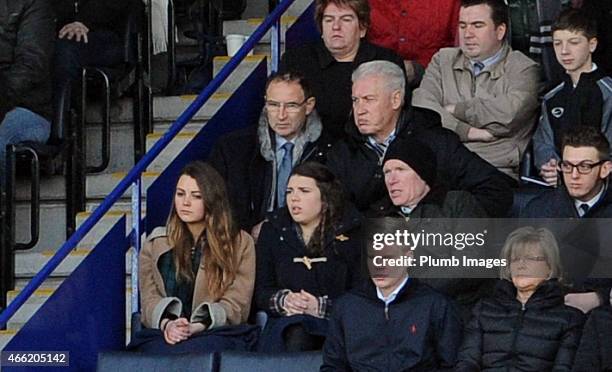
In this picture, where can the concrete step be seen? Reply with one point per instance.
(39, 297)
(170, 152)
(53, 207)
(259, 8)
(5, 337)
(29, 263)
(243, 70)
(248, 26)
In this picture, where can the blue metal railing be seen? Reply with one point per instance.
(134, 176)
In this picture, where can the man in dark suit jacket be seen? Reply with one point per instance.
(585, 193)
(256, 162)
(585, 166)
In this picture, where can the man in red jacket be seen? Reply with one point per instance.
(414, 29)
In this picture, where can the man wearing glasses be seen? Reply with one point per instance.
(585, 191)
(256, 162)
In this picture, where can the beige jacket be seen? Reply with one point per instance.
(232, 308)
(502, 99)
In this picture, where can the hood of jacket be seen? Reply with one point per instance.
(310, 134)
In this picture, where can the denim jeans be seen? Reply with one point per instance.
(20, 125)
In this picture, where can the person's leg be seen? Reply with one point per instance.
(104, 48)
(297, 339)
(21, 125)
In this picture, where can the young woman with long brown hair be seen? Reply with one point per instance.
(197, 273)
(308, 254)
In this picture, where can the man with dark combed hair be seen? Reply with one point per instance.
(485, 92)
(585, 167)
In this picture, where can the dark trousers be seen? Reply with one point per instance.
(104, 48)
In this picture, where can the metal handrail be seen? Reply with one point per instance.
(134, 176)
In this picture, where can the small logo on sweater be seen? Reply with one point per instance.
(413, 329)
(557, 112)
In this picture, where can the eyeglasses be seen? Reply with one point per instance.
(290, 107)
(528, 259)
(584, 167)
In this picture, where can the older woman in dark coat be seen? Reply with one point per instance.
(525, 325)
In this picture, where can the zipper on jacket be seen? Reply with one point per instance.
(516, 332)
(386, 311)
(76, 7)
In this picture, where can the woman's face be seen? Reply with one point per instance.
(188, 200)
(529, 267)
(304, 200)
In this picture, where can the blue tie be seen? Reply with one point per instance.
(478, 66)
(283, 173)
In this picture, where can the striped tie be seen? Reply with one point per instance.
(380, 148)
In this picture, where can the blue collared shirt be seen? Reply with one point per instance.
(489, 61)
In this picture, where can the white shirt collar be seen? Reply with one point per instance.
(591, 202)
(393, 294)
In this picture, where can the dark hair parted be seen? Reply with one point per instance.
(291, 77)
(332, 200)
(575, 20)
(360, 7)
(587, 136)
(220, 238)
(499, 9)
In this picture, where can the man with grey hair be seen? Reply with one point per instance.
(379, 117)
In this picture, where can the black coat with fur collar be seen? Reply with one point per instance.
(245, 160)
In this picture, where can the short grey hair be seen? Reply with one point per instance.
(527, 237)
(392, 73)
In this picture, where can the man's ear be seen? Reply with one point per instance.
(593, 44)
(501, 31)
(397, 100)
(310, 105)
(362, 31)
(605, 170)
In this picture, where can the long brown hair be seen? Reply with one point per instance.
(219, 239)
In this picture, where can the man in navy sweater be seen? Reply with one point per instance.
(392, 323)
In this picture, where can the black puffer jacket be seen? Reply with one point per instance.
(357, 165)
(595, 351)
(26, 47)
(503, 335)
